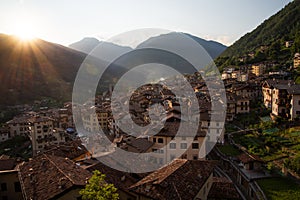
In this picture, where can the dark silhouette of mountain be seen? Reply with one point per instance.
(87, 44)
(213, 48)
(267, 41)
(31, 70)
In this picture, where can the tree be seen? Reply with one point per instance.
(98, 189)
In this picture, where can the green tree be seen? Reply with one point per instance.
(98, 189)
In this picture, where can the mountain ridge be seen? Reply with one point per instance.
(267, 41)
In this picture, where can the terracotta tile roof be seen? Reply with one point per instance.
(181, 179)
(137, 145)
(119, 179)
(47, 176)
(171, 128)
(71, 149)
(222, 188)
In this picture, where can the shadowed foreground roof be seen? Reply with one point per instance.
(222, 188)
(48, 176)
(181, 179)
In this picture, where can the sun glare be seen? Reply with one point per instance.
(24, 29)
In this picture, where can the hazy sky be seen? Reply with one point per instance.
(67, 21)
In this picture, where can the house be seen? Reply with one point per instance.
(51, 177)
(10, 187)
(267, 89)
(250, 162)
(222, 188)
(167, 147)
(297, 60)
(42, 133)
(258, 69)
(19, 126)
(171, 181)
(121, 180)
(95, 118)
(136, 145)
(294, 101)
(288, 44)
(73, 150)
(4, 134)
(279, 100)
(40, 130)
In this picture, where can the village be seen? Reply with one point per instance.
(51, 158)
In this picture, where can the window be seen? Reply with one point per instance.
(161, 160)
(154, 140)
(195, 157)
(172, 145)
(160, 140)
(299, 102)
(183, 146)
(17, 187)
(217, 124)
(195, 145)
(161, 151)
(3, 187)
(184, 156)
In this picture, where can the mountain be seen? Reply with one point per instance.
(87, 44)
(36, 69)
(213, 48)
(267, 42)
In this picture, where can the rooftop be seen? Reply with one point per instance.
(48, 176)
(181, 179)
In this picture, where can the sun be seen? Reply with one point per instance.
(24, 29)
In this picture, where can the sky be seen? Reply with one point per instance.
(68, 21)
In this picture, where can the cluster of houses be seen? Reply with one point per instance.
(44, 128)
(63, 170)
(61, 165)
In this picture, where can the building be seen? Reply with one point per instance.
(250, 162)
(267, 89)
(40, 130)
(288, 44)
(51, 177)
(258, 69)
(19, 126)
(95, 119)
(42, 133)
(167, 147)
(279, 100)
(294, 100)
(283, 97)
(4, 134)
(171, 181)
(297, 60)
(10, 187)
